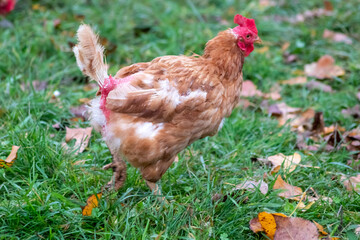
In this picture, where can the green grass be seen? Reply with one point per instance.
(42, 193)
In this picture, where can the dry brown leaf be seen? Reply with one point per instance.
(289, 163)
(272, 95)
(296, 80)
(249, 89)
(85, 100)
(9, 161)
(255, 225)
(357, 230)
(282, 109)
(285, 46)
(267, 3)
(319, 86)
(352, 183)
(354, 111)
(252, 185)
(90, 86)
(320, 228)
(332, 128)
(91, 202)
(82, 137)
(309, 14)
(244, 103)
(295, 229)
(291, 192)
(324, 68)
(37, 85)
(336, 36)
(80, 111)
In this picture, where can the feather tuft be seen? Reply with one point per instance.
(90, 55)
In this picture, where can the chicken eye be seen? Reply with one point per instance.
(248, 36)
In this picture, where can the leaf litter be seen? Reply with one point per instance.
(279, 226)
(82, 137)
(9, 161)
(324, 68)
(91, 203)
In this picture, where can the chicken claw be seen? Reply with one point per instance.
(119, 176)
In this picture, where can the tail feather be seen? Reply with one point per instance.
(90, 55)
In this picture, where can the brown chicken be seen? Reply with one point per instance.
(149, 112)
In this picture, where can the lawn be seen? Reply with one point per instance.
(42, 193)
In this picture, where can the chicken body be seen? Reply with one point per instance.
(149, 112)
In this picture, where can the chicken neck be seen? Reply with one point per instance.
(226, 58)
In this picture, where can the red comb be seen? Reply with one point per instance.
(245, 22)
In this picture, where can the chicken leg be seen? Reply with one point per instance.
(119, 173)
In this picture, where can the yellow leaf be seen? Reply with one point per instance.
(9, 161)
(268, 223)
(91, 202)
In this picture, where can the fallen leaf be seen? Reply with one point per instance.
(336, 36)
(285, 46)
(252, 185)
(9, 161)
(289, 163)
(80, 111)
(82, 137)
(249, 89)
(244, 103)
(90, 86)
(324, 68)
(255, 225)
(357, 230)
(278, 226)
(354, 111)
(279, 109)
(289, 58)
(294, 228)
(85, 100)
(320, 228)
(268, 223)
(296, 80)
(267, 3)
(291, 192)
(38, 7)
(318, 86)
(57, 23)
(332, 128)
(352, 183)
(37, 85)
(91, 202)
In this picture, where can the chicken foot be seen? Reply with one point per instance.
(155, 190)
(119, 173)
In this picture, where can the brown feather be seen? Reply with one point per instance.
(89, 54)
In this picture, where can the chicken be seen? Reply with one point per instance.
(150, 111)
(6, 6)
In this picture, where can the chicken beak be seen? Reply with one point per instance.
(257, 40)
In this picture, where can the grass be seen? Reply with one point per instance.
(42, 193)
